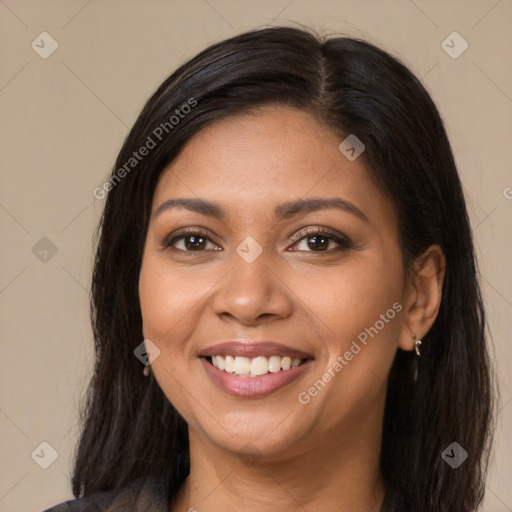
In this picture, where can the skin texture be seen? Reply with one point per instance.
(322, 455)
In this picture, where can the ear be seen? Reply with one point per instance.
(422, 296)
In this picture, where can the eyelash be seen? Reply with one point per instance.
(343, 241)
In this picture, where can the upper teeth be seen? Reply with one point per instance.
(256, 366)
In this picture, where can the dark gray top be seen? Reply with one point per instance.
(145, 494)
(148, 494)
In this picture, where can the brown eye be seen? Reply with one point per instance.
(191, 241)
(319, 240)
(194, 242)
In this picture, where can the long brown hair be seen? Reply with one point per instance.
(131, 430)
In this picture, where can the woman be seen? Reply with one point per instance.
(285, 246)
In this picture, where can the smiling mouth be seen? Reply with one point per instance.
(241, 382)
(254, 367)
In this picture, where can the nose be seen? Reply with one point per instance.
(253, 293)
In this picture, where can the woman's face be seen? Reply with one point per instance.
(257, 272)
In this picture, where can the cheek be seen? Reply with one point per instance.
(153, 299)
(162, 301)
(167, 306)
(172, 300)
(351, 299)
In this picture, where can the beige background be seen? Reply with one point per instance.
(63, 120)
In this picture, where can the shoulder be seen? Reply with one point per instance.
(141, 495)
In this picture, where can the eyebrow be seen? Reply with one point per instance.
(281, 212)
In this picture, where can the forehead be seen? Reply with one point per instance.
(265, 157)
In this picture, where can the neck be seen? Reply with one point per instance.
(334, 474)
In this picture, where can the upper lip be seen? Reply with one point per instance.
(253, 349)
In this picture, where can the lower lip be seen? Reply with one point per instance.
(253, 387)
